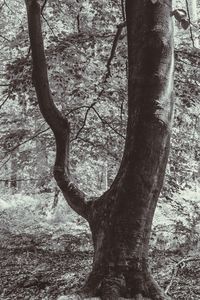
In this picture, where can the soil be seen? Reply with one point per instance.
(42, 266)
(45, 265)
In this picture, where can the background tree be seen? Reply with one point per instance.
(120, 220)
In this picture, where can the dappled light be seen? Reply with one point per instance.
(99, 150)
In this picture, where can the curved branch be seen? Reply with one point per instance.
(57, 122)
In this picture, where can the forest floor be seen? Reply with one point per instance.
(44, 262)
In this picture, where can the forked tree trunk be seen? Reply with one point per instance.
(121, 219)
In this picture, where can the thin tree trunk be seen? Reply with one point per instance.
(13, 166)
(41, 166)
(121, 219)
(192, 6)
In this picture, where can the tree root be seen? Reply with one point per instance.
(118, 287)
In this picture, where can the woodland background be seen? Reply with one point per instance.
(45, 248)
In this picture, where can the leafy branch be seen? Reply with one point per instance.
(23, 143)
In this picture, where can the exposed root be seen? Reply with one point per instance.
(154, 291)
(126, 285)
(113, 286)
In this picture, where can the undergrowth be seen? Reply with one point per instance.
(46, 253)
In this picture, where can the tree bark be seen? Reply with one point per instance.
(121, 219)
(58, 123)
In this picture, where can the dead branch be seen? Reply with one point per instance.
(176, 268)
(113, 49)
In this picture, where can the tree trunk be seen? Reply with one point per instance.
(121, 219)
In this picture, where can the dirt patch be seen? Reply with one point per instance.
(42, 266)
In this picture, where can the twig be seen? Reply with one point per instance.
(84, 121)
(175, 270)
(101, 146)
(114, 46)
(11, 10)
(5, 162)
(2, 5)
(99, 116)
(5, 39)
(48, 24)
(108, 124)
(24, 142)
(4, 101)
(21, 179)
(43, 6)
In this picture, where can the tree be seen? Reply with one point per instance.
(121, 219)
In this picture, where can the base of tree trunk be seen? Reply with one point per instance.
(123, 286)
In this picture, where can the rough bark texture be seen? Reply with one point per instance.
(121, 219)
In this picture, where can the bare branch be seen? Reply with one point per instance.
(24, 142)
(21, 179)
(100, 146)
(43, 6)
(1, 105)
(84, 121)
(5, 162)
(4, 38)
(114, 46)
(108, 124)
(175, 270)
(45, 19)
(123, 10)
